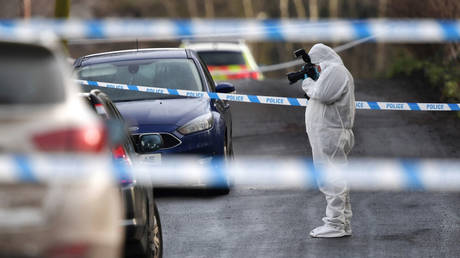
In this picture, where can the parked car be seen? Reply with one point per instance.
(142, 221)
(230, 60)
(41, 114)
(187, 125)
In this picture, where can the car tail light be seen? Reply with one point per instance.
(86, 139)
(254, 75)
(69, 251)
(119, 154)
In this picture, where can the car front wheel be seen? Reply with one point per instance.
(227, 157)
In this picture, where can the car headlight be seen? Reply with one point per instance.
(200, 123)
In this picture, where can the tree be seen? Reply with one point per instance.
(380, 62)
(62, 9)
(193, 11)
(442, 9)
(314, 13)
(27, 9)
(171, 8)
(248, 9)
(333, 8)
(351, 8)
(284, 9)
(209, 8)
(300, 8)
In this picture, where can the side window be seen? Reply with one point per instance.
(207, 75)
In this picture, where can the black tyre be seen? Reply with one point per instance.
(231, 155)
(155, 237)
(228, 156)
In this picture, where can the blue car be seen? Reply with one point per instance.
(162, 125)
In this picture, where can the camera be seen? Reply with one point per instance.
(308, 69)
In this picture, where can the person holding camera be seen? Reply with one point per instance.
(329, 119)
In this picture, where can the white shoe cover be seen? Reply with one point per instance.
(327, 231)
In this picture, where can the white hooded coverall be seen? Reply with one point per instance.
(329, 119)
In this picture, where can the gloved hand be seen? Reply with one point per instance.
(312, 72)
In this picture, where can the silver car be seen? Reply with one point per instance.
(40, 113)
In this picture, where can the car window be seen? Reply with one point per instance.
(161, 73)
(29, 75)
(222, 57)
(207, 75)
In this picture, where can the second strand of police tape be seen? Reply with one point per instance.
(370, 105)
(286, 173)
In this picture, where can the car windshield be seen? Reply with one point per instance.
(160, 73)
(218, 58)
(29, 75)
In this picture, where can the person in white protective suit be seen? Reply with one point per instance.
(329, 119)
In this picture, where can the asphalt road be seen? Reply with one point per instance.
(263, 223)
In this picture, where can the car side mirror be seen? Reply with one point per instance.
(225, 87)
(150, 142)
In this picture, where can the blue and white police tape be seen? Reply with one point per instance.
(259, 173)
(370, 105)
(296, 30)
(200, 94)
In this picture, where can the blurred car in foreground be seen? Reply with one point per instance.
(185, 125)
(142, 221)
(230, 60)
(40, 113)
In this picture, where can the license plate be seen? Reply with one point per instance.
(151, 159)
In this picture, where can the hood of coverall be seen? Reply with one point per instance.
(324, 56)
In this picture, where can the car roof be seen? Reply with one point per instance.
(132, 54)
